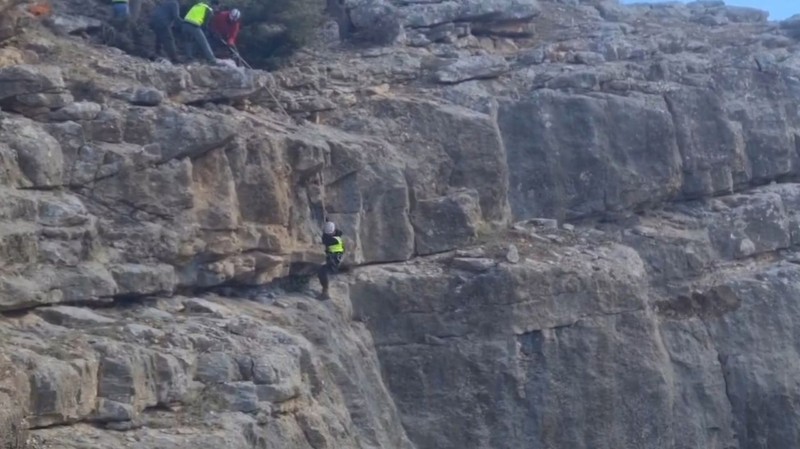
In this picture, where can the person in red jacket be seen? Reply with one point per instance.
(225, 26)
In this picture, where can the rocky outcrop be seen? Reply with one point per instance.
(153, 217)
(573, 331)
(157, 370)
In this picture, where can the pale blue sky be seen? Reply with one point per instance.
(778, 9)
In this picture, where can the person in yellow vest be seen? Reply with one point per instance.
(194, 24)
(334, 253)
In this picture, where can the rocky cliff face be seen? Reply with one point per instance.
(150, 215)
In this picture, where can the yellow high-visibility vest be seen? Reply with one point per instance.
(197, 15)
(337, 248)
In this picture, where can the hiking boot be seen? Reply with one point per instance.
(323, 296)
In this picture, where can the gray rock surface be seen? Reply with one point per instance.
(476, 67)
(446, 223)
(661, 137)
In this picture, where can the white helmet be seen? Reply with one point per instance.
(235, 15)
(329, 227)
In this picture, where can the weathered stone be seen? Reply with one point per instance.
(33, 105)
(374, 22)
(238, 396)
(72, 316)
(190, 135)
(82, 110)
(61, 392)
(18, 244)
(532, 129)
(475, 67)
(475, 265)
(217, 368)
(135, 279)
(681, 298)
(512, 256)
(83, 283)
(424, 14)
(200, 305)
(71, 24)
(28, 79)
(442, 224)
(146, 97)
(106, 127)
(62, 211)
(739, 14)
(13, 394)
(39, 155)
(113, 411)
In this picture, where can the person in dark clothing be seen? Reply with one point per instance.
(128, 36)
(334, 253)
(164, 16)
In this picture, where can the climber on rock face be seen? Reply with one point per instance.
(166, 14)
(334, 252)
(194, 22)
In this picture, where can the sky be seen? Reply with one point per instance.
(778, 9)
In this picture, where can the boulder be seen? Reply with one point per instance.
(14, 390)
(473, 67)
(72, 24)
(445, 223)
(39, 155)
(374, 22)
(29, 79)
(217, 368)
(792, 23)
(61, 392)
(136, 279)
(425, 14)
(237, 396)
(82, 110)
(539, 134)
(61, 211)
(70, 316)
(741, 14)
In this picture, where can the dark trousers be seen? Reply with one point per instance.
(331, 266)
(165, 40)
(195, 38)
(218, 46)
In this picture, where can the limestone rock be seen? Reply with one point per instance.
(134, 279)
(82, 110)
(217, 368)
(28, 79)
(476, 67)
(13, 391)
(39, 155)
(238, 396)
(475, 265)
(512, 256)
(423, 14)
(376, 22)
(145, 97)
(659, 128)
(71, 24)
(528, 128)
(72, 316)
(445, 223)
(200, 305)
